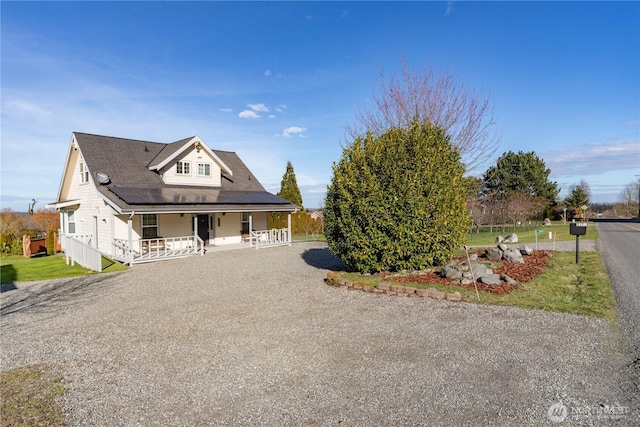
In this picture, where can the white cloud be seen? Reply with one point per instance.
(449, 8)
(259, 107)
(594, 158)
(281, 108)
(225, 110)
(267, 73)
(248, 114)
(293, 130)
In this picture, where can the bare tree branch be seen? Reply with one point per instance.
(465, 114)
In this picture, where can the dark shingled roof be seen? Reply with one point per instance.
(133, 186)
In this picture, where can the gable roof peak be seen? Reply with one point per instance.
(172, 150)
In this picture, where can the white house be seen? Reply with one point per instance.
(139, 201)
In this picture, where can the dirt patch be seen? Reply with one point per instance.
(521, 273)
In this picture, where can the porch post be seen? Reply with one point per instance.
(195, 232)
(130, 236)
(289, 227)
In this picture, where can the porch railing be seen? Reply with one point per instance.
(146, 250)
(273, 237)
(78, 251)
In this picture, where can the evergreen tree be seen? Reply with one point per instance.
(523, 173)
(289, 186)
(397, 201)
(579, 196)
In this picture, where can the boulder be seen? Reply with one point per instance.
(526, 250)
(481, 270)
(513, 255)
(508, 279)
(494, 254)
(451, 273)
(499, 239)
(511, 238)
(547, 221)
(491, 279)
(503, 247)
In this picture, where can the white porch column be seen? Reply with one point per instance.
(195, 232)
(130, 236)
(289, 227)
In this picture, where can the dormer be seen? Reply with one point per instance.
(189, 162)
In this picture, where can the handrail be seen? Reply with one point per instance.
(78, 251)
(159, 248)
(271, 237)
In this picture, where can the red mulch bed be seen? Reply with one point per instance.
(521, 273)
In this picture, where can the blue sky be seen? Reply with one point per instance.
(278, 81)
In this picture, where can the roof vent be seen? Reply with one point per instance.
(102, 178)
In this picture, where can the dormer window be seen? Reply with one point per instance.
(204, 169)
(183, 168)
(84, 173)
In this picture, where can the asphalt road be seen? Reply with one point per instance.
(619, 244)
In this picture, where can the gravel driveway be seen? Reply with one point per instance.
(256, 338)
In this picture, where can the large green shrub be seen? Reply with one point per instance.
(397, 201)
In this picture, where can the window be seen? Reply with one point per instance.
(149, 226)
(71, 222)
(245, 222)
(204, 169)
(84, 173)
(183, 168)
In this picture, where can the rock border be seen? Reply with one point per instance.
(336, 280)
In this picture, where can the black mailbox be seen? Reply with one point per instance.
(578, 229)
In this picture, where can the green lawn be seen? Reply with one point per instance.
(564, 286)
(20, 269)
(527, 234)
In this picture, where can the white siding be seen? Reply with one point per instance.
(121, 229)
(170, 175)
(174, 225)
(259, 221)
(229, 229)
(92, 216)
(169, 225)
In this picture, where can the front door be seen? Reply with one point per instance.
(203, 228)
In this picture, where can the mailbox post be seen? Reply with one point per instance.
(578, 229)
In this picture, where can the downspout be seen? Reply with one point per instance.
(130, 226)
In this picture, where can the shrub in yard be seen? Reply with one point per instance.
(397, 201)
(51, 241)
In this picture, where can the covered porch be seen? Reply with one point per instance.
(159, 236)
